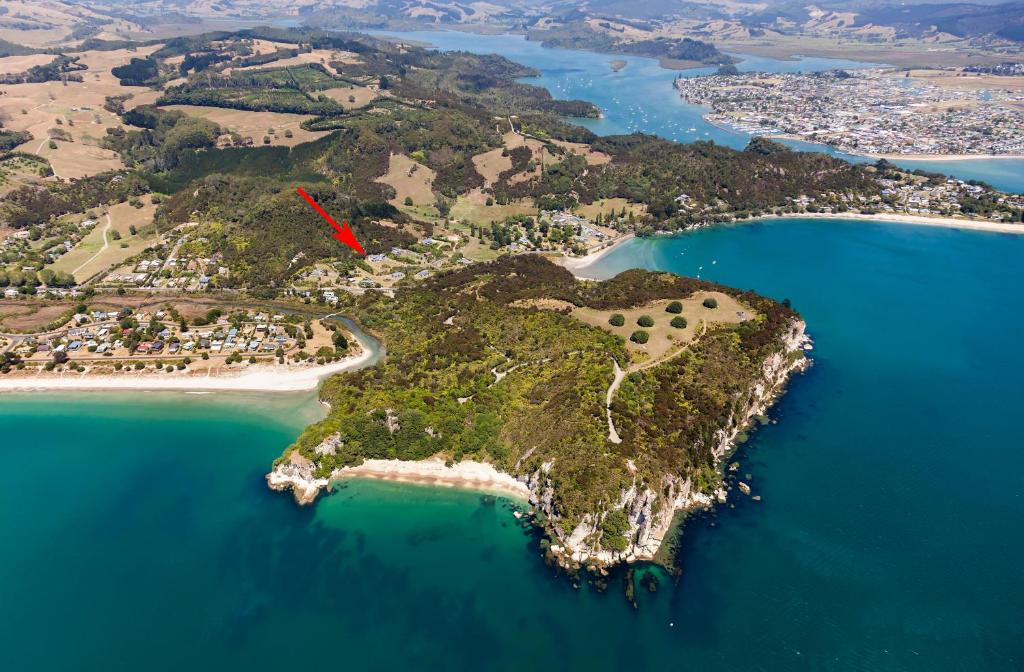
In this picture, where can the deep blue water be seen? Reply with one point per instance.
(640, 97)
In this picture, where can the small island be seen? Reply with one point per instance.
(609, 406)
(618, 64)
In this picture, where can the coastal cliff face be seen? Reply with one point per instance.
(494, 382)
(650, 513)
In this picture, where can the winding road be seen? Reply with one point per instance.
(106, 244)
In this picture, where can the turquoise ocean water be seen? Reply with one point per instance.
(138, 533)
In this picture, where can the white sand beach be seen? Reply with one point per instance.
(919, 220)
(576, 263)
(466, 474)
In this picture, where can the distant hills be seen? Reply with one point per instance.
(623, 22)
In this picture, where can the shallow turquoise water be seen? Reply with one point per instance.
(640, 97)
(138, 532)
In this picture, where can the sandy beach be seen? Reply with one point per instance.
(576, 263)
(466, 474)
(919, 220)
(276, 378)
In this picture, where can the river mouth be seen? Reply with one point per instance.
(653, 105)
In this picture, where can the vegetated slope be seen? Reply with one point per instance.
(266, 233)
(440, 390)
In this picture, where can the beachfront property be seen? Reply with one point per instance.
(143, 336)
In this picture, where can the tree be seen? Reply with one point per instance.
(710, 302)
(645, 321)
(617, 320)
(674, 307)
(614, 529)
(408, 200)
(640, 336)
(60, 357)
(678, 322)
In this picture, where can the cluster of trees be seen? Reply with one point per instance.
(266, 233)
(32, 205)
(32, 278)
(60, 68)
(138, 72)
(163, 139)
(11, 139)
(254, 99)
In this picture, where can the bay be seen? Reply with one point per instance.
(640, 97)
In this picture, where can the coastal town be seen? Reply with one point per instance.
(873, 112)
(101, 341)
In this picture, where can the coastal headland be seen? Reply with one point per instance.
(553, 418)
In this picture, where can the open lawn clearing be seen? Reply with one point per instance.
(74, 159)
(28, 317)
(665, 340)
(409, 179)
(144, 97)
(255, 124)
(541, 156)
(343, 95)
(323, 57)
(16, 172)
(473, 208)
(605, 206)
(592, 156)
(492, 164)
(14, 65)
(99, 251)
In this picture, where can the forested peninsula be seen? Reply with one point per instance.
(505, 363)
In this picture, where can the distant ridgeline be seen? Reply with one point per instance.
(579, 35)
(544, 419)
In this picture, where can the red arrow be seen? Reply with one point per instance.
(342, 234)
